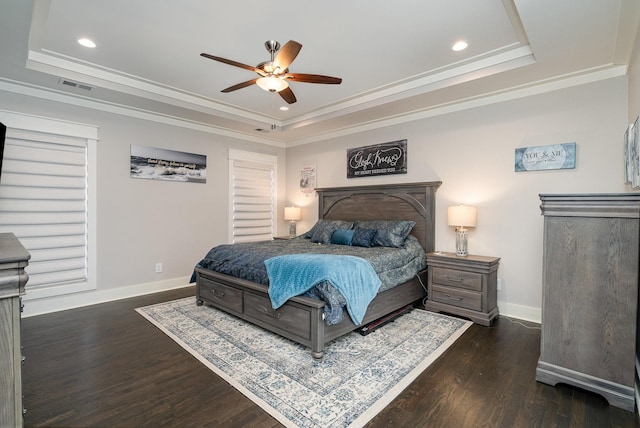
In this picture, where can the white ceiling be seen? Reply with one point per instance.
(395, 58)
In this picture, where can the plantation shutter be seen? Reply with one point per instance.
(43, 201)
(252, 179)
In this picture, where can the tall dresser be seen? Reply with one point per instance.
(590, 293)
(13, 259)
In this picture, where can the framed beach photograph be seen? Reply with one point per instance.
(153, 163)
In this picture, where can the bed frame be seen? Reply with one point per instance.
(301, 318)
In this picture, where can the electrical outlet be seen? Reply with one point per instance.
(158, 267)
(499, 284)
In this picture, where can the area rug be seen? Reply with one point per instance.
(358, 376)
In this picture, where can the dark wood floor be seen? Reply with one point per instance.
(105, 365)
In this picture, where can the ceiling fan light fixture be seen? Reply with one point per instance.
(272, 84)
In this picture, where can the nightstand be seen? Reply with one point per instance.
(464, 286)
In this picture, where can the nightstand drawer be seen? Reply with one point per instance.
(457, 297)
(457, 278)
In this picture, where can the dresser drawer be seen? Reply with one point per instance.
(290, 318)
(457, 297)
(221, 295)
(457, 278)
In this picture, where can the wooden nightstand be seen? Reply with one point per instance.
(464, 286)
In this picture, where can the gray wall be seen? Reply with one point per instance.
(472, 153)
(141, 222)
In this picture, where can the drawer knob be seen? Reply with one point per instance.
(273, 314)
(450, 297)
(218, 293)
(455, 279)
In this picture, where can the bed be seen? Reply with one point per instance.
(301, 318)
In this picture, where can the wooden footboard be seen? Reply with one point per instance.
(301, 318)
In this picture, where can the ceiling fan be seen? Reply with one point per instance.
(274, 74)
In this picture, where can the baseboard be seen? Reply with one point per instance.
(70, 301)
(525, 313)
(76, 300)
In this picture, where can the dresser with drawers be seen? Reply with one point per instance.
(13, 259)
(591, 270)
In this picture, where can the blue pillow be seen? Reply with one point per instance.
(342, 236)
(363, 237)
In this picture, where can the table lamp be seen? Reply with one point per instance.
(461, 216)
(292, 214)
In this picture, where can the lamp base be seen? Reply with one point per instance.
(461, 242)
(292, 229)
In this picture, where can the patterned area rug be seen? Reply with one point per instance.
(358, 376)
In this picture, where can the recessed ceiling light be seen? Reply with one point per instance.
(87, 43)
(284, 108)
(459, 45)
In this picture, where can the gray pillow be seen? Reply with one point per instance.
(389, 233)
(363, 237)
(339, 224)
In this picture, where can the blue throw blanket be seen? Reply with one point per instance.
(294, 274)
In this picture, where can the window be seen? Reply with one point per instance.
(252, 177)
(44, 201)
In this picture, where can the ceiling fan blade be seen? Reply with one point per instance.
(286, 55)
(313, 78)
(287, 95)
(240, 85)
(230, 62)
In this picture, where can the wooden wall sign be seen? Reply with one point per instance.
(379, 159)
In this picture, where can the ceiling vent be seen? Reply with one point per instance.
(71, 83)
(273, 128)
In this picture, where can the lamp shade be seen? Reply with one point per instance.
(272, 84)
(462, 215)
(292, 213)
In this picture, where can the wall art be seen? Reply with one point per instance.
(540, 158)
(161, 164)
(632, 155)
(379, 159)
(308, 179)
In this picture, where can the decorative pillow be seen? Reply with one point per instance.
(324, 230)
(363, 237)
(339, 224)
(389, 233)
(342, 236)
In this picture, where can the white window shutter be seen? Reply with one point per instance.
(43, 201)
(253, 184)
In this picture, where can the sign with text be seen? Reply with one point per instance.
(555, 156)
(154, 163)
(380, 159)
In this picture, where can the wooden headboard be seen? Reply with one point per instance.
(413, 201)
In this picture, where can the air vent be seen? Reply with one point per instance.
(73, 84)
(273, 128)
